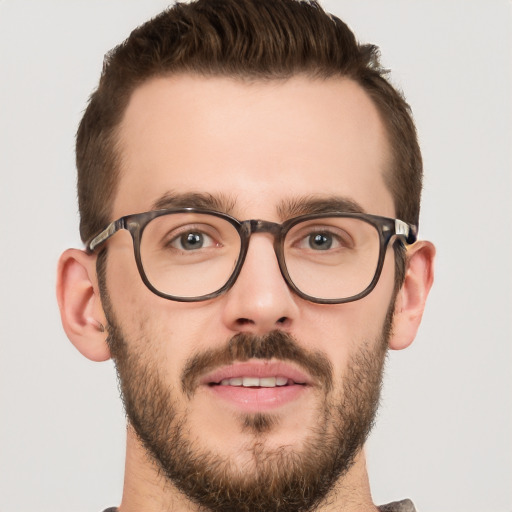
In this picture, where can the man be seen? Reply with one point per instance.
(249, 188)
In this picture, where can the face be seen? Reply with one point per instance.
(258, 150)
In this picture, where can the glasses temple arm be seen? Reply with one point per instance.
(408, 231)
(112, 228)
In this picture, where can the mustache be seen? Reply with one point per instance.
(244, 346)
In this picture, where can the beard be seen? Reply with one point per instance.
(276, 479)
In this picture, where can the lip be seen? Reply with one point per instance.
(257, 399)
(259, 369)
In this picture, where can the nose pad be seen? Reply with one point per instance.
(260, 300)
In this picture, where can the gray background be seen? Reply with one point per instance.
(443, 435)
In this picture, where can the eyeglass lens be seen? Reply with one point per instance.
(192, 254)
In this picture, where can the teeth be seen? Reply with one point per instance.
(249, 382)
(255, 382)
(268, 382)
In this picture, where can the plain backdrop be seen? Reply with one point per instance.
(444, 430)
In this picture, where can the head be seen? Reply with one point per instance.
(260, 110)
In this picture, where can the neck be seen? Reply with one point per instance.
(146, 488)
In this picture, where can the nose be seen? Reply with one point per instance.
(260, 300)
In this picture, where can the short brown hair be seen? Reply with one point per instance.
(254, 39)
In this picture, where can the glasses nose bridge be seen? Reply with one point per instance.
(275, 229)
(264, 226)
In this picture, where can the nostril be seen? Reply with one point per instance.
(244, 321)
(282, 320)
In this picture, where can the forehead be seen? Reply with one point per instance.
(258, 144)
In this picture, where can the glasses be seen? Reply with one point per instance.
(190, 254)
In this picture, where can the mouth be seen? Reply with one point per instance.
(257, 382)
(257, 386)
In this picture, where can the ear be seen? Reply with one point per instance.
(411, 299)
(80, 305)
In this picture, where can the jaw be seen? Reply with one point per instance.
(237, 450)
(147, 488)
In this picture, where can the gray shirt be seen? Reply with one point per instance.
(396, 506)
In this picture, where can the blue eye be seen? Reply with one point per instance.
(192, 241)
(320, 241)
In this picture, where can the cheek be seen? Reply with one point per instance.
(340, 330)
(159, 331)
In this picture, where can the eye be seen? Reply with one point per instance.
(192, 241)
(320, 241)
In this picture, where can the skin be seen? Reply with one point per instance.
(262, 145)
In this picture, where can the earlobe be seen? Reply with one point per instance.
(411, 299)
(80, 304)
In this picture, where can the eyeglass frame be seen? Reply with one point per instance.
(387, 229)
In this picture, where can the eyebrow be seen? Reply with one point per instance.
(288, 208)
(313, 204)
(220, 203)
